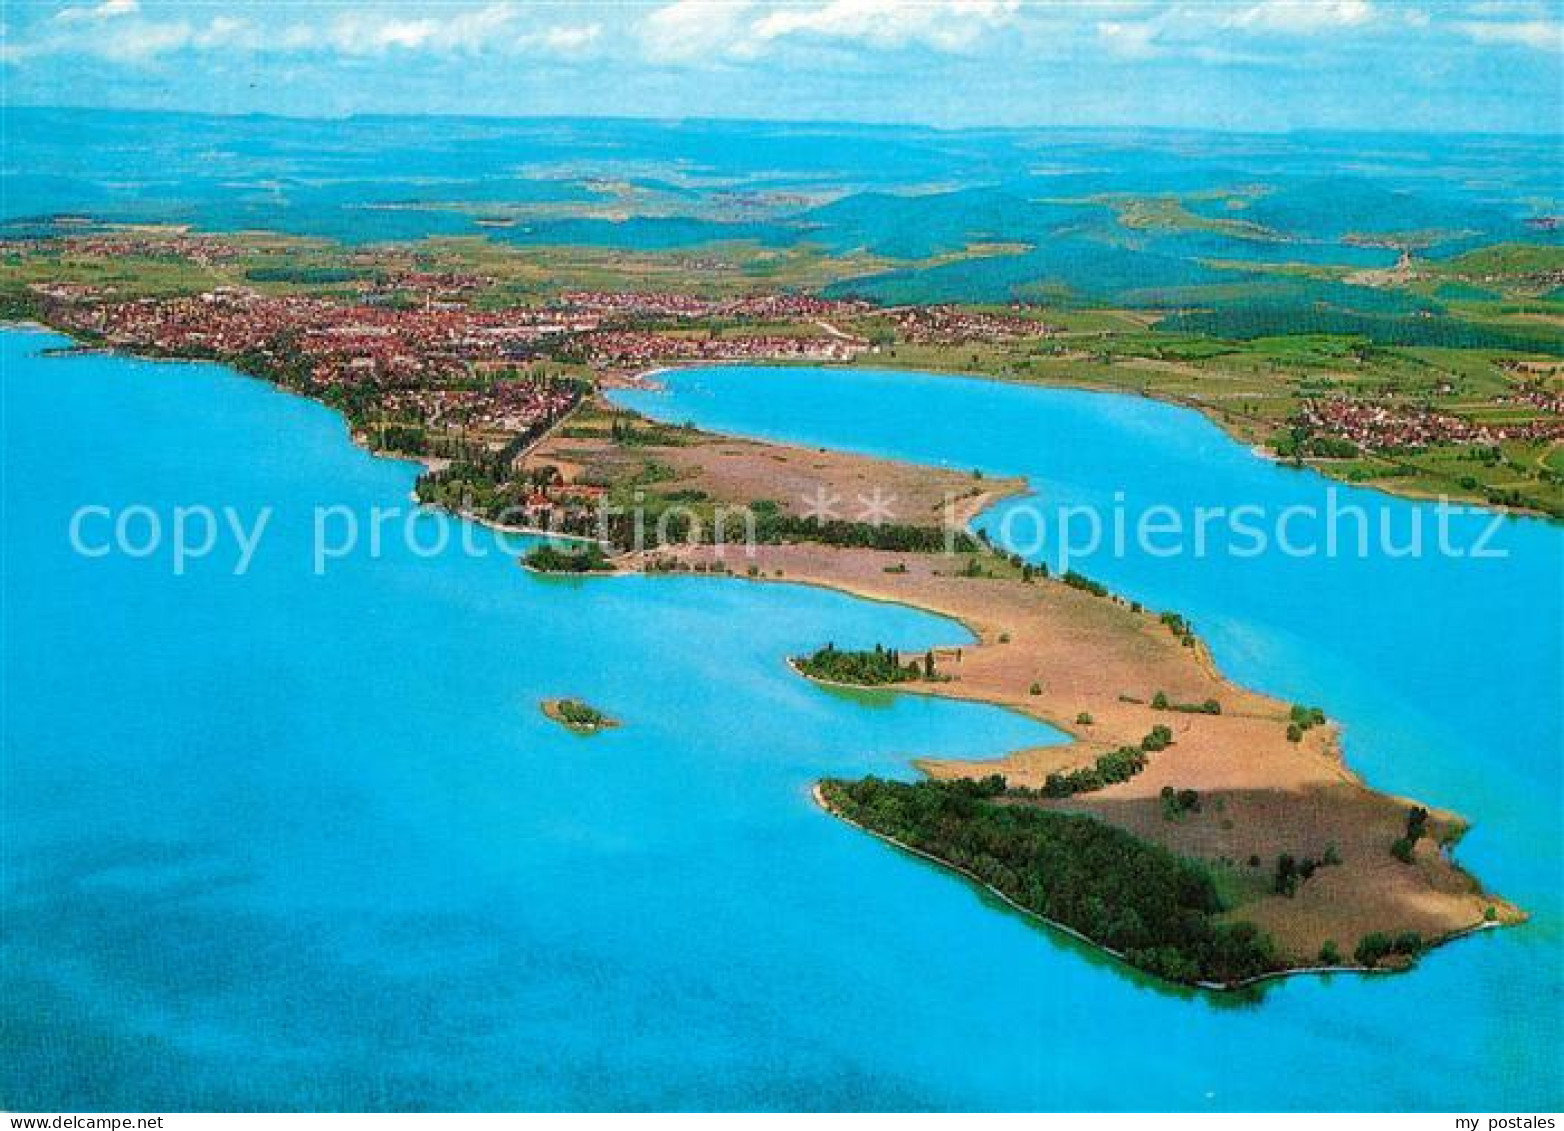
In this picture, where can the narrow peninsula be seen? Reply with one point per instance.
(1198, 830)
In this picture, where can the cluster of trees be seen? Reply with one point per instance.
(1161, 702)
(1109, 769)
(1417, 826)
(21, 307)
(1180, 628)
(1177, 802)
(410, 439)
(631, 432)
(1158, 738)
(580, 715)
(864, 667)
(776, 526)
(1155, 908)
(1300, 440)
(1080, 581)
(1423, 327)
(1377, 945)
(1293, 873)
(580, 557)
(285, 365)
(1300, 719)
(1516, 499)
(473, 488)
(1029, 571)
(671, 519)
(674, 565)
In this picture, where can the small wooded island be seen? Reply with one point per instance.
(583, 718)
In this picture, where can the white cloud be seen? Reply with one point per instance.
(567, 40)
(137, 43)
(498, 28)
(1303, 17)
(1544, 35)
(104, 11)
(728, 32)
(1507, 9)
(954, 25)
(1130, 40)
(140, 42)
(689, 31)
(1253, 33)
(369, 32)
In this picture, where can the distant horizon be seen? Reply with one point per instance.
(741, 120)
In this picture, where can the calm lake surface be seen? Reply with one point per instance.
(287, 840)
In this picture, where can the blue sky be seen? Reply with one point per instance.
(1437, 65)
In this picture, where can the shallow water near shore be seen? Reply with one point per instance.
(286, 840)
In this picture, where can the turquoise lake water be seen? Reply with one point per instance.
(286, 840)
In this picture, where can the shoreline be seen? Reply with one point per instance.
(915, 686)
(358, 439)
(1257, 448)
(646, 380)
(819, 798)
(507, 528)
